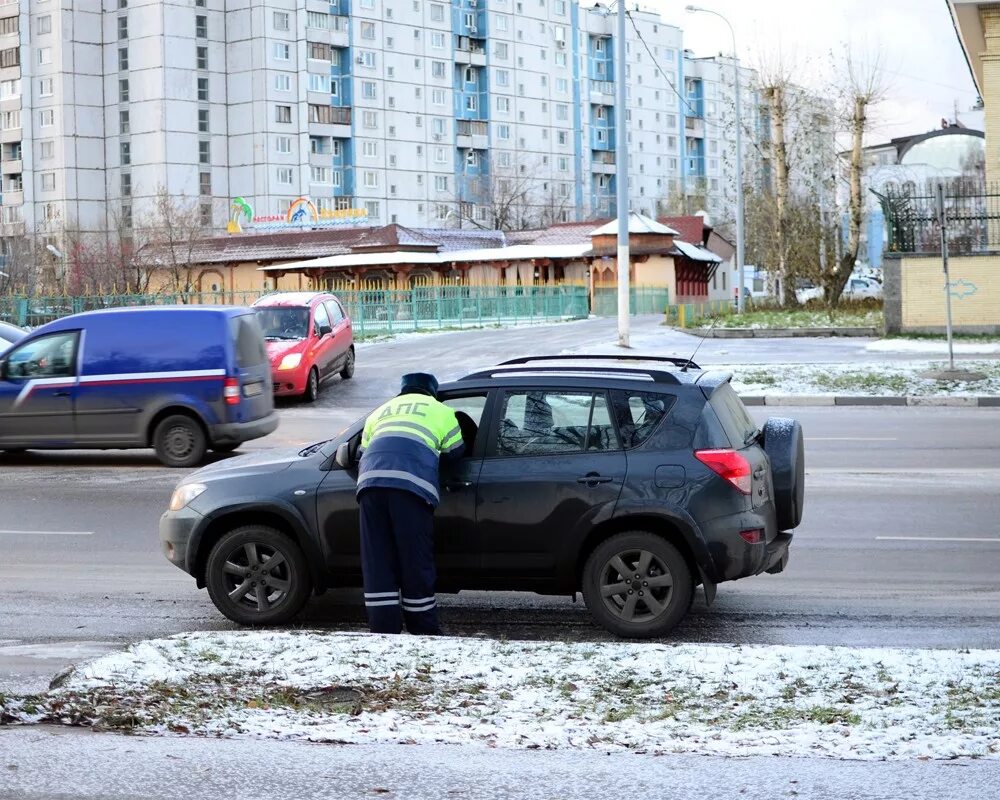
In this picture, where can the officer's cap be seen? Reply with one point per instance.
(421, 382)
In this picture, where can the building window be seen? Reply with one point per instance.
(503, 105)
(122, 59)
(373, 209)
(368, 30)
(321, 52)
(369, 119)
(371, 179)
(283, 144)
(285, 175)
(125, 151)
(201, 26)
(127, 216)
(320, 114)
(282, 51)
(48, 181)
(437, 40)
(317, 19)
(9, 25)
(503, 132)
(123, 90)
(123, 123)
(438, 97)
(202, 120)
(11, 57)
(562, 111)
(203, 89)
(501, 50)
(126, 184)
(10, 89)
(368, 90)
(441, 212)
(205, 184)
(282, 82)
(319, 83)
(283, 113)
(503, 77)
(562, 138)
(44, 55)
(471, 102)
(437, 12)
(334, 87)
(201, 57)
(280, 20)
(205, 215)
(45, 87)
(319, 175)
(46, 118)
(47, 150)
(369, 149)
(204, 153)
(122, 27)
(500, 23)
(437, 69)
(441, 183)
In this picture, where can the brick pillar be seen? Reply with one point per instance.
(990, 17)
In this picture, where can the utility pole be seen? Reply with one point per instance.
(621, 176)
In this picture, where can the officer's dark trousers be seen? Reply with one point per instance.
(397, 560)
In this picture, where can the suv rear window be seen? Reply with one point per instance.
(248, 341)
(733, 415)
(639, 414)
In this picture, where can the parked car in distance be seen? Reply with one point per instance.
(309, 340)
(629, 479)
(857, 288)
(10, 334)
(180, 380)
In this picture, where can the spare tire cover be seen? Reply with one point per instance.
(784, 447)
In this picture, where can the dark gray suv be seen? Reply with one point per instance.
(631, 480)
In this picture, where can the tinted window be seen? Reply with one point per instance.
(320, 318)
(733, 415)
(248, 340)
(639, 414)
(50, 356)
(283, 323)
(543, 422)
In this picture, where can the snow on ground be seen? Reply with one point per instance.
(868, 379)
(656, 698)
(933, 347)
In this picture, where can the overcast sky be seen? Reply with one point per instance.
(926, 69)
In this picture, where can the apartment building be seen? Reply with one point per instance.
(456, 114)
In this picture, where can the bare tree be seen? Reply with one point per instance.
(510, 197)
(863, 87)
(18, 268)
(172, 232)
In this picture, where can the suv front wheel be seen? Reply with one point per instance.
(637, 585)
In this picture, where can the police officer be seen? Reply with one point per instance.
(402, 444)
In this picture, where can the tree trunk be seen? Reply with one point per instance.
(776, 99)
(837, 279)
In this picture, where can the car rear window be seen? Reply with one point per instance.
(248, 341)
(738, 424)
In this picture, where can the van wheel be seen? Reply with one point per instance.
(348, 371)
(180, 441)
(312, 387)
(637, 585)
(256, 575)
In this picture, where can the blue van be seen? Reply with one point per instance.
(178, 379)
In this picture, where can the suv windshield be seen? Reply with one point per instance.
(284, 323)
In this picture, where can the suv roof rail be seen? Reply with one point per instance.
(677, 362)
(655, 375)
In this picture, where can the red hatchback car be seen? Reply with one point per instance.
(309, 340)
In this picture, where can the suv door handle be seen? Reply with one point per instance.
(454, 486)
(594, 478)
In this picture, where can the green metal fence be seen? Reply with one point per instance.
(642, 300)
(685, 315)
(372, 311)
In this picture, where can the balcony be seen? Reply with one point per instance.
(694, 126)
(330, 121)
(603, 163)
(10, 135)
(470, 53)
(15, 198)
(602, 93)
(472, 134)
(12, 167)
(340, 31)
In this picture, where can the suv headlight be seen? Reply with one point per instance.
(184, 494)
(291, 361)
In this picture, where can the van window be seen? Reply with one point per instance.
(50, 356)
(248, 341)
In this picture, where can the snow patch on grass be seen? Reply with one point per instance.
(652, 698)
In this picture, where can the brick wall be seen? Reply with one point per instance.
(989, 16)
(921, 299)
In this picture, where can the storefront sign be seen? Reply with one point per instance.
(302, 213)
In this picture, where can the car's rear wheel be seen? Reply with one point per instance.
(637, 585)
(312, 386)
(180, 441)
(348, 371)
(256, 575)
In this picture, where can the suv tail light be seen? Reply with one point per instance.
(231, 391)
(728, 464)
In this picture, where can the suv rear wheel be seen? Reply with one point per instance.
(637, 585)
(257, 575)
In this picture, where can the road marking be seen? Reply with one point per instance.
(851, 439)
(47, 533)
(995, 540)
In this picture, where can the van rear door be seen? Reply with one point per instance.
(253, 370)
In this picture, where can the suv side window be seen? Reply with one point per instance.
(335, 311)
(51, 356)
(542, 422)
(320, 317)
(639, 414)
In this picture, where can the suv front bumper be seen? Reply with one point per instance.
(176, 530)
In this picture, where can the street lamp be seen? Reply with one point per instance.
(739, 158)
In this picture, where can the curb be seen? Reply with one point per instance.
(778, 333)
(870, 400)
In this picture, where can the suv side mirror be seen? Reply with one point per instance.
(343, 457)
(324, 330)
